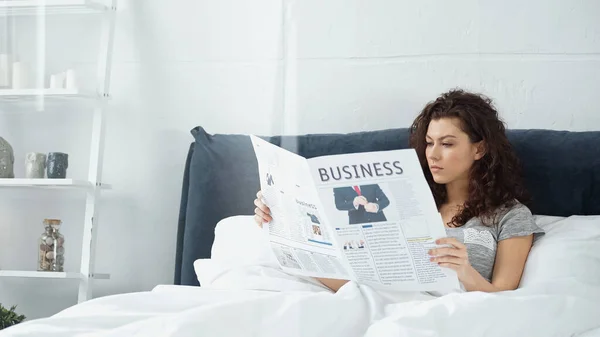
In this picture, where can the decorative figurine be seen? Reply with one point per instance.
(35, 165)
(7, 159)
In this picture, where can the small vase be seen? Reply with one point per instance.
(57, 164)
(7, 159)
(35, 165)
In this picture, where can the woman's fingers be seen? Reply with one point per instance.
(258, 220)
(262, 212)
(259, 195)
(449, 265)
(266, 217)
(448, 251)
(450, 241)
(262, 206)
(447, 259)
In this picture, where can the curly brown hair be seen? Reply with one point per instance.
(495, 179)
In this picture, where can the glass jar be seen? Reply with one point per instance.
(51, 255)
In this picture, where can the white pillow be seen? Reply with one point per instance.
(568, 251)
(240, 242)
(242, 258)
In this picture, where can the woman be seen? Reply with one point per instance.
(474, 177)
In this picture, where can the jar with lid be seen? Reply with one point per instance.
(51, 255)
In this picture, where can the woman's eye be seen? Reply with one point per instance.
(429, 143)
(447, 144)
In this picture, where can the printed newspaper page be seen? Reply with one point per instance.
(384, 218)
(298, 233)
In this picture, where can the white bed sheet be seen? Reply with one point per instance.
(264, 301)
(245, 293)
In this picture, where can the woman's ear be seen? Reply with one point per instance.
(480, 150)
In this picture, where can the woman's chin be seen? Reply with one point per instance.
(440, 180)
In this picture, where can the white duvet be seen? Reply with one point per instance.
(255, 298)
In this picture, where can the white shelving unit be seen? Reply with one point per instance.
(93, 185)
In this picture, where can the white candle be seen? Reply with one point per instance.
(60, 80)
(19, 76)
(71, 80)
(53, 82)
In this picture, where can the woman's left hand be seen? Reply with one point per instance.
(454, 257)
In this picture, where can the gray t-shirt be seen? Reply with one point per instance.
(482, 241)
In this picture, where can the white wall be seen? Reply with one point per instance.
(347, 65)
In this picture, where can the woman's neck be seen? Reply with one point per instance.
(457, 192)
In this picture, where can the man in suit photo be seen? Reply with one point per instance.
(364, 203)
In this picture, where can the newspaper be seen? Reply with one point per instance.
(367, 217)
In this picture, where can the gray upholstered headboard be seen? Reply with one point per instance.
(561, 169)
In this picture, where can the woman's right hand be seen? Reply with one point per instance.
(262, 213)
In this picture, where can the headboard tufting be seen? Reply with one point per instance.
(561, 171)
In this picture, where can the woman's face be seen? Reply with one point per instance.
(450, 154)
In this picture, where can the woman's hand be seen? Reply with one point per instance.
(454, 257)
(262, 213)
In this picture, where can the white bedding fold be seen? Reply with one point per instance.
(520, 313)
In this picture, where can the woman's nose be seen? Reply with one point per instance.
(434, 153)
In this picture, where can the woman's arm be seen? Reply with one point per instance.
(511, 256)
(333, 284)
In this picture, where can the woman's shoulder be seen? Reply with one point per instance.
(514, 219)
(512, 209)
(504, 212)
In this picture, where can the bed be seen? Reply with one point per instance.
(227, 283)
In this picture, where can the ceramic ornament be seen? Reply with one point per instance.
(7, 159)
(35, 165)
(57, 164)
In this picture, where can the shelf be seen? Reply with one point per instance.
(46, 7)
(48, 274)
(48, 94)
(39, 274)
(49, 183)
